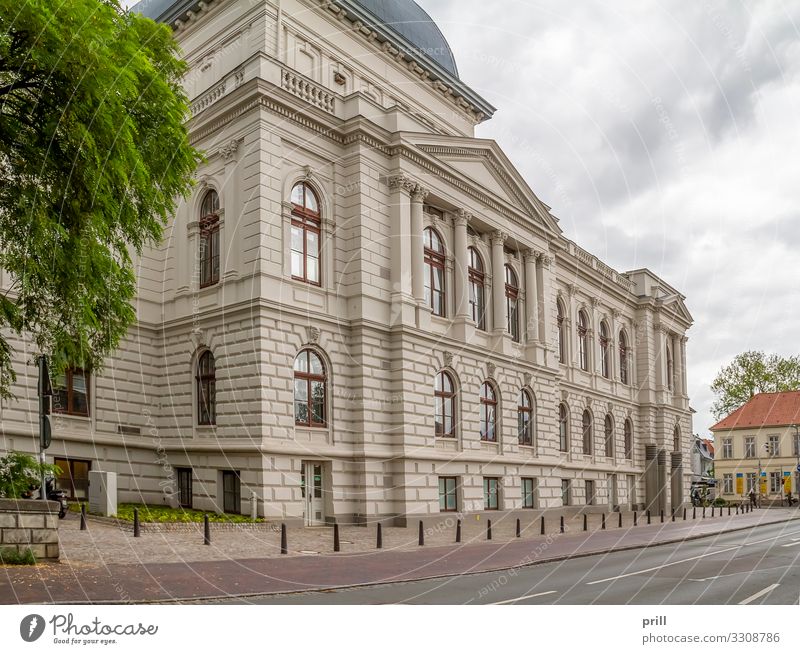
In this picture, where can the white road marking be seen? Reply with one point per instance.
(794, 544)
(693, 558)
(524, 597)
(760, 593)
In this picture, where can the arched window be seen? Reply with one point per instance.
(623, 358)
(676, 439)
(206, 389)
(608, 432)
(434, 272)
(563, 428)
(310, 381)
(445, 395)
(477, 289)
(209, 240)
(525, 418)
(605, 351)
(588, 432)
(488, 413)
(583, 341)
(561, 334)
(670, 368)
(306, 229)
(512, 303)
(628, 439)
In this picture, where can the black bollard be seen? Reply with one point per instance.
(337, 547)
(421, 534)
(519, 529)
(673, 516)
(635, 519)
(206, 531)
(379, 544)
(585, 522)
(662, 516)
(694, 513)
(488, 530)
(684, 514)
(137, 530)
(562, 524)
(542, 525)
(729, 510)
(620, 519)
(712, 510)
(737, 509)
(603, 522)
(648, 517)
(284, 540)
(458, 531)
(83, 517)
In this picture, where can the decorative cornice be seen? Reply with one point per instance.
(227, 152)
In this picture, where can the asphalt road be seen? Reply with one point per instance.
(755, 566)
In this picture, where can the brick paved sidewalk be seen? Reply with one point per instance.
(105, 564)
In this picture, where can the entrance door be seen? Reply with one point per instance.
(231, 492)
(312, 491)
(74, 478)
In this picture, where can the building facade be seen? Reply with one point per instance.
(363, 311)
(757, 448)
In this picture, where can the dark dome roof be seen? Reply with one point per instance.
(405, 17)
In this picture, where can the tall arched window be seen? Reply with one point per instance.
(588, 432)
(676, 439)
(583, 340)
(512, 303)
(434, 272)
(525, 418)
(310, 381)
(306, 229)
(488, 413)
(623, 358)
(628, 439)
(563, 428)
(561, 333)
(608, 433)
(605, 351)
(445, 397)
(670, 368)
(209, 240)
(206, 389)
(477, 289)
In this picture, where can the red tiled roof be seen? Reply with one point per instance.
(764, 410)
(709, 445)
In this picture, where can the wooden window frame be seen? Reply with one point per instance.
(69, 388)
(447, 494)
(525, 427)
(624, 372)
(477, 283)
(591, 497)
(526, 496)
(209, 240)
(628, 433)
(444, 397)
(512, 303)
(435, 260)
(180, 473)
(205, 380)
(67, 475)
(563, 428)
(562, 337)
(605, 352)
(310, 222)
(587, 433)
(583, 341)
(608, 434)
(310, 379)
(237, 492)
(489, 407)
(487, 483)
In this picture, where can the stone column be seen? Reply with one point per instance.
(500, 322)
(660, 358)
(685, 381)
(418, 195)
(544, 276)
(531, 297)
(403, 301)
(677, 364)
(461, 272)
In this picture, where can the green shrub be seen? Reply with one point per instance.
(20, 474)
(168, 514)
(10, 556)
(720, 502)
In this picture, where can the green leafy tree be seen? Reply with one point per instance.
(751, 373)
(94, 155)
(21, 473)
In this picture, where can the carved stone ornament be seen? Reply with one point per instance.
(419, 193)
(491, 369)
(527, 378)
(313, 335)
(401, 182)
(227, 152)
(462, 218)
(499, 238)
(197, 338)
(447, 358)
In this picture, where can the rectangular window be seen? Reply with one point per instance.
(565, 492)
(71, 393)
(774, 445)
(185, 487)
(528, 493)
(775, 482)
(589, 492)
(448, 494)
(491, 493)
(727, 484)
(727, 448)
(74, 478)
(231, 492)
(751, 482)
(750, 447)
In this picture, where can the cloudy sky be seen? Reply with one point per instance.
(664, 135)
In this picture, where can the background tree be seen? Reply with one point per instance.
(94, 155)
(751, 373)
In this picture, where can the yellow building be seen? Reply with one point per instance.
(759, 441)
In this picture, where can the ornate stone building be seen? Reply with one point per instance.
(363, 311)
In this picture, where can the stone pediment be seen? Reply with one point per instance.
(675, 304)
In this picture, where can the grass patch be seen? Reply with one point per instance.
(10, 556)
(168, 514)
